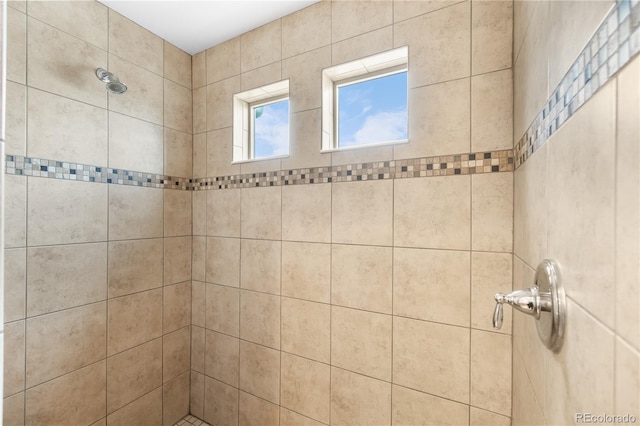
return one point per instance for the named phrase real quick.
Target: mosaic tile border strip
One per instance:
(448, 165)
(29, 166)
(613, 45)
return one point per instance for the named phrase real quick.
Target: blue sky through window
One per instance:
(373, 111)
(271, 129)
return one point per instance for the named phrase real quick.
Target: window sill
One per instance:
(370, 145)
(254, 160)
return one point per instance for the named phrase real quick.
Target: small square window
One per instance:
(261, 123)
(365, 102)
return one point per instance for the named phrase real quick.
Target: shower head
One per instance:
(114, 85)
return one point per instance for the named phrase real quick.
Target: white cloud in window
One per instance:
(381, 127)
(272, 132)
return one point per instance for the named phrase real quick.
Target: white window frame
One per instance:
(243, 119)
(376, 66)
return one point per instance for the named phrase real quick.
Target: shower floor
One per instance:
(190, 420)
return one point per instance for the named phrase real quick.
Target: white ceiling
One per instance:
(194, 25)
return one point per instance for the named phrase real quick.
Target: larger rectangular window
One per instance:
(365, 102)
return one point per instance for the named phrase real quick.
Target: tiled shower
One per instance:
(148, 278)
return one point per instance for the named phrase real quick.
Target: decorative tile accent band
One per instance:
(448, 165)
(613, 45)
(28, 166)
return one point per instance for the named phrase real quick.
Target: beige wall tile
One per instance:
(133, 373)
(627, 381)
(198, 303)
(14, 358)
(305, 29)
(15, 211)
(223, 213)
(357, 399)
(260, 371)
(133, 320)
(198, 258)
(529, 411)
(199, 70)
(306, 387)
(447, 223)
(304, 145)
(134, 266)
(447, 349)
(362, 212)
(480, 417)
(361, 342)
(492, 30)
(412, 408)
(198, 349)
(200, 155)
(135, 144)
(522, 11)
(15, 284)
(55, 205)
(53, 58)
(432, 285)
(16, 119)
(85, 20)
(70, 123)
(306, 328)
(177, 107)
(222, 61)
(76, 398)
(627, 205)
(199, 214)
(223, 261)
(580, 378)
(261, 213)
(17, 46)
(492, 111)
(492, 212)
(176, 353)
(491, 273)
(579, 201)
(261, 76)
(220, 403)
(261, 46)
(260, 318)
(177, 213)
(350, 156)
(350, 19)
(196, 398)
(260, 265)
(60, 277)
(289, 418)
(306, 271)
(199, 109)
(439, 120)
(439, 44)
(134, 212)
(260, 166)
(220, 153)
(177, 260)
(178, 155)
(145, 409)
(256, 411)
(362, 45)
(491, 358)
(177, 65)
(361, 277)
(305, 76)
(219, 102)
(13, 410)
(65, 341)
(405, 9)
(223, 309)
(177, 306)
(175, 400)
(222, 357)
(306, 214)
(134, 43)
(530, 71)
(144, 98)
